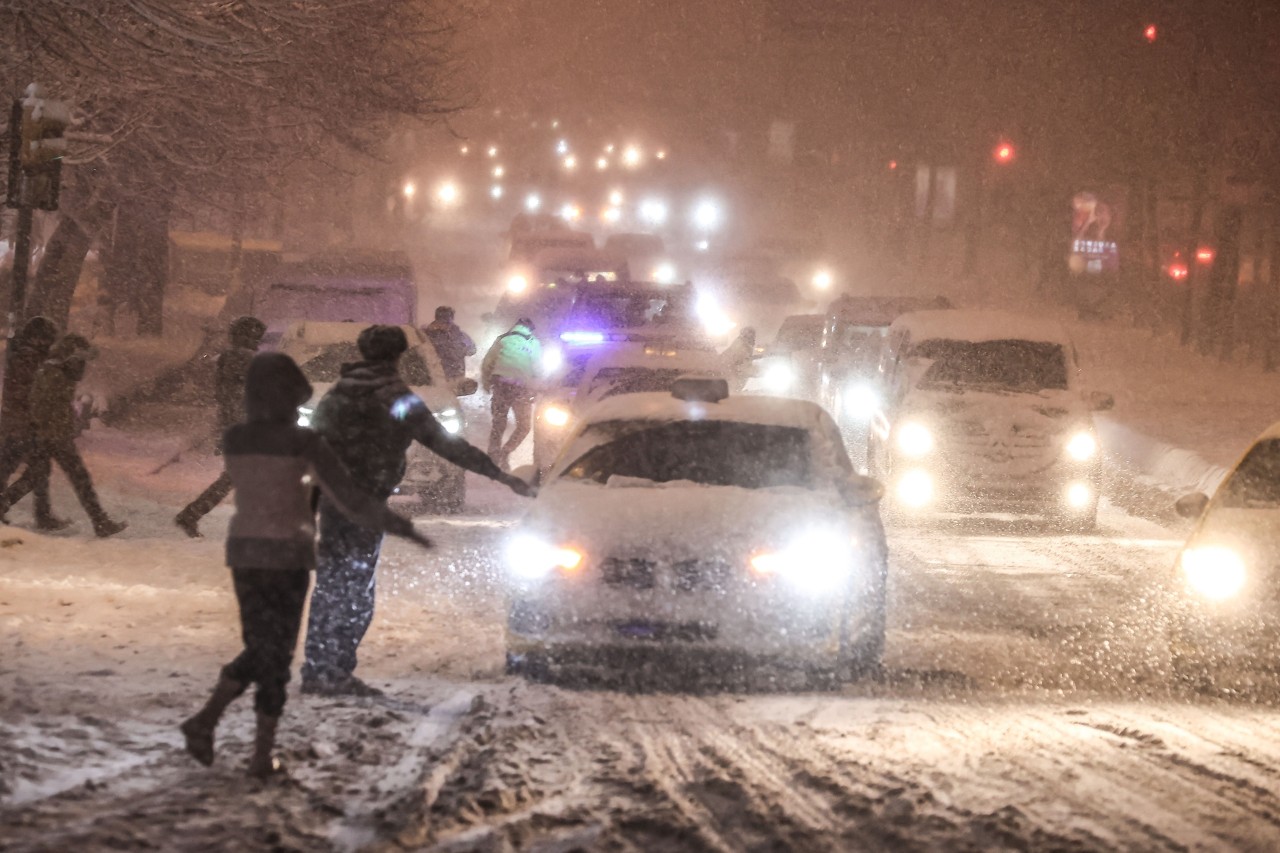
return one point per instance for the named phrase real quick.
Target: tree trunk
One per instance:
(138, 263)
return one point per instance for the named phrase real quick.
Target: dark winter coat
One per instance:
(370, 417)
(453, 346)
(228, 389)
(30, 347)
(268, 458)
(53, 418)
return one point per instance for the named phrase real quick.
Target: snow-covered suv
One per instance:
(983, 412)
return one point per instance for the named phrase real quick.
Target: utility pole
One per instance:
(1199, 186)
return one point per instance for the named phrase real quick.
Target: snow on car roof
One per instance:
(979, 326)
(656, 406)
(326, 333)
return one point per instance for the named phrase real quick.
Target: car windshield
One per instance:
(326, 365)
(1255, 484)
(616, 309)
(801, 334)
(1008, 365)
(713, 453)
(631, 380)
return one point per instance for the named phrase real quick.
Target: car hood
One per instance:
(1253, 533)
(1048, 410)
(682, 520)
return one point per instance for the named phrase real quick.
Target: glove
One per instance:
(520, 487)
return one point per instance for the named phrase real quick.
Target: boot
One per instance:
(107, 527)
(198, 730)
(51, 524)
(262, 764)
(189, 524)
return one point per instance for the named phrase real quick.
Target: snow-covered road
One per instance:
(1024, 705)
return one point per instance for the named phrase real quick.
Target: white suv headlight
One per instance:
(914, 439)
(1082, 446)
(816, 563)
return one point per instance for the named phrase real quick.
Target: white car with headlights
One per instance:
(984, 413)
(791, 365)
(321, 349)
(627, 369)
(693, 527)
(1226, 582)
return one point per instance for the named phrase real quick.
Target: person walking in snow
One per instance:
(510, 374)
(29, 348)
(273, 465)
(54, 430)
(244, 336)
(452, 344)
(370, 418)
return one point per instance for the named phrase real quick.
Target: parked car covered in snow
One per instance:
(1227, 575)
(983, 412)
(321, 349)
(694, 526)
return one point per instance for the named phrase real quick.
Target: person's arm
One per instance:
(486, 366)
(427, 431)
(352, 501)
(468, 345)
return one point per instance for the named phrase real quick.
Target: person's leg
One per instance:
(499, 404)
(284, 594)
(522, 405)
(235, 677)
(191, 514)
(15, 453)
(68, 459)
(343, 600)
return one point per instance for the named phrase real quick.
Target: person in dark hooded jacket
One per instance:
(54, 428)
(233, 365)
(273, 464)
(369, 417)
(452, 344)
(28, 349)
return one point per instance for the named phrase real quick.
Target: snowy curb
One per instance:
(1172, 468)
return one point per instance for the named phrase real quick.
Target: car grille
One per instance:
(1001, 445)
(696, 575)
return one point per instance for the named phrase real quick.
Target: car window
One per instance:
(616, 310)
(1255, 484)
(1009, 365)
(714, 453)
(801, 334)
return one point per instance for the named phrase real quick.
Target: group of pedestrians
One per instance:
(39, 424)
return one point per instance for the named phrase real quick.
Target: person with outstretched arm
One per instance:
(274, 465)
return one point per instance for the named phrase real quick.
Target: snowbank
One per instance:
(1174, 469)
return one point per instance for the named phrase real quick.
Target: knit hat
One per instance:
(274, 388)
(382, 343)
(247, 331)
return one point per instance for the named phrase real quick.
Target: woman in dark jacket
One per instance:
(274, 464)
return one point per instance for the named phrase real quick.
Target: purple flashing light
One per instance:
(582, 337)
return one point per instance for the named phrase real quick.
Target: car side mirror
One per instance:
(1101, 401)
(529, 473)
(860, 491)
(465, 386)
(1192, 506)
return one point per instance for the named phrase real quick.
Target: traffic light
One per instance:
(1151, 33)
(1004, 153)
(43, 123)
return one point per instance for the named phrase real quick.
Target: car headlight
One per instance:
(1215, 572)
(532, 558)
(914, 439)
(664, 273)
(552, 359)
(861, 401)
(1082, 446)
(517, 284)
(555, 416)
(451, 420)
(915, 489)
(305, 414)
(779, 378)
(815, 563)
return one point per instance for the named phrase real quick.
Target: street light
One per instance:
(615, 197)
(409, 189)
(602, 163)
(498, 171)
(1005, 153)
(823, 279)
(448, 194)
(493, 151)
(706, 215)
(532, 202)
(496, 191)
(570, 163)
(653, 211)
(631, 157)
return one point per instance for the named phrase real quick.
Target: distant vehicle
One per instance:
(321, 349)
(358, 286)
(526, 284)
(627, 369)
(689, 526)
(203, 259)
(1226, 576)
(525, 246)
(792, 364)
(755, 294)
(645, 256)
(984, 413)
(858, 327)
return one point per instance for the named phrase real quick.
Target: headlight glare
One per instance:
(914, 439)
(1212, 571)
(531, 558)
(815, 563)
(555, 416)
(305, 414)
(1082, 446)
(779, 378)
(862, 402)
(915, 489)
(552, 360)
(451, 421)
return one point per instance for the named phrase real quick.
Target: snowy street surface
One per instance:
(1024, 705)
